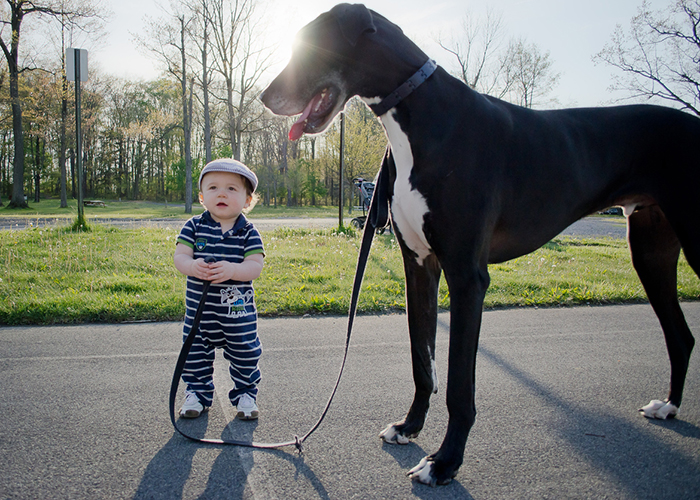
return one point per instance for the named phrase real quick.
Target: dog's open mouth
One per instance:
(316, 115)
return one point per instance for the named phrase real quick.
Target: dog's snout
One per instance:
(265, 97)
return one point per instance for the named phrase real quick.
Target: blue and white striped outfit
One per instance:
(229, 320)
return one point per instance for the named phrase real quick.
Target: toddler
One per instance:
(229, 321)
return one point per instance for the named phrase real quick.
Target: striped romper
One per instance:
(229, 320)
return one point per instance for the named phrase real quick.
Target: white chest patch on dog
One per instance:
(408, 207)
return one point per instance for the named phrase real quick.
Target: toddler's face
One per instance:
(224, 194)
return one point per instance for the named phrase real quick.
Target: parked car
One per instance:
(612, 211)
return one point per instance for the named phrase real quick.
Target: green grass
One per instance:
(147, 210)
(53, 275)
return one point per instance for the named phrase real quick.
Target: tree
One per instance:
(201, 8)
(658, 56)
(519, 73)
(18, 10)
(227, 21)
(528, 76)
(240, 60)
(474, 49)
(169, 41)
(253, 62)
(38, 92)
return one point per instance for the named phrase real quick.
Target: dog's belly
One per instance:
(408, 206)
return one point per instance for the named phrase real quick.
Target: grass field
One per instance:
(147, 210)
(52, 275)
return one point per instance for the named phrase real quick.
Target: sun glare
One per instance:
(286, 21)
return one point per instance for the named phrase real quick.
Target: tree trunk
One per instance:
(239, 120)
(64, 119)
(37, 173)
(188, 146)
(186, 120)
(12, 57)
(18, 169)
(231, 119)
(74, 193)
(62, 147)
(205, 86)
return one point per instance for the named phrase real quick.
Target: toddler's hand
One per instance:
(221, 271)
(201, 270)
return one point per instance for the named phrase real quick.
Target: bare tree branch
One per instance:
(659, 56)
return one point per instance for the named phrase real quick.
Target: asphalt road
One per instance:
(614, 227)
(85, 412)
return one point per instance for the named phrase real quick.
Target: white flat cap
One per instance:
(232, 166)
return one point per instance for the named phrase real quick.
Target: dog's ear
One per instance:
(354, 20)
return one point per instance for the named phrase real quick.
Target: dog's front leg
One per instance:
(422, 281)
(467, 291)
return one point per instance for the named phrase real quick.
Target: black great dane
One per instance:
(473, 180)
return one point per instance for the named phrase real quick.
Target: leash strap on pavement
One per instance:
(378, 216)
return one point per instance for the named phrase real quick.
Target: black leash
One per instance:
(180, 365)
(378, 218)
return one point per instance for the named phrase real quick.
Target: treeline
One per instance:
(147, 140)
(133, 146)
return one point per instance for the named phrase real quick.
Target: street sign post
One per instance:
(77, 70)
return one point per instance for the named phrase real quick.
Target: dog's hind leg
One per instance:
(655, 249)
(422, 283)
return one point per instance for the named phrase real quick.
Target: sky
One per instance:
(571, 31)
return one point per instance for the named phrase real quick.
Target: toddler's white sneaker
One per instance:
(246, 408)
(192, 407)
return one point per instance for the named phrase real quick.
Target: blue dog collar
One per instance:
(405, 89)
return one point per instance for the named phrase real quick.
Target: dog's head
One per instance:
(342, 53)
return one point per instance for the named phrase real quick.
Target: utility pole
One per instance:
(342, 164)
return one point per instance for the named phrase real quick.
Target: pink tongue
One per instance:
(297, 129)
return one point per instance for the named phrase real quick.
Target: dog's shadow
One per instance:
(680, 427)
(629, 458)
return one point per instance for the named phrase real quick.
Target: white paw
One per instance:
(423, 472)
(391, 435)
(659, 409)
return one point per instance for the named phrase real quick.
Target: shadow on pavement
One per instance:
(408, 456)
(635, 458)
(168, 472)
